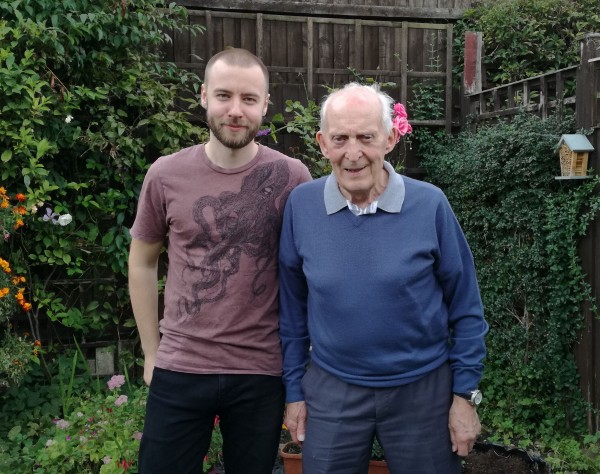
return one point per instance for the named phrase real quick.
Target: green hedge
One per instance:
(523, 227)
(85, 104)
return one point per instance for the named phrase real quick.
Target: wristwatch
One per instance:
(474, 397)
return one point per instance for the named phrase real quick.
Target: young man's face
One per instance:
(236, 100)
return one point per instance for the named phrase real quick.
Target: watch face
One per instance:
(476, 398)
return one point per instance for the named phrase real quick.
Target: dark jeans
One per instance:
(410, 421)
(180, 415)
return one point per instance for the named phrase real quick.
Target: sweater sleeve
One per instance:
(455, 271)
(293, 293)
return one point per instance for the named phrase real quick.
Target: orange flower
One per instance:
(21, 210)
(19, 223)
(37, 343)
(4, 265)
(4, 292)
(4, 204)
(18, 279)
(20, 197)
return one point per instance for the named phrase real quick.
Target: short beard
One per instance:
(233, 143)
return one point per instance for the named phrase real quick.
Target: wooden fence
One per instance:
(577, 87)
(306, 54)
(540, 95)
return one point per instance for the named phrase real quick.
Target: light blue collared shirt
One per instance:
(391, 199)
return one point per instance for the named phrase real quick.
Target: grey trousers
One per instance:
(410, 422)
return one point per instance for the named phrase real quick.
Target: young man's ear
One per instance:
(203, 96)
(266, 105)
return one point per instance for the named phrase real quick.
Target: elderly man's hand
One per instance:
(295, 420)
(464, 426)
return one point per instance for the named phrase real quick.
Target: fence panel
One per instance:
(308, 55)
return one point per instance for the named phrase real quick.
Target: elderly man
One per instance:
(376, 276)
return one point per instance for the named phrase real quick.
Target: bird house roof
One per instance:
(576, 142)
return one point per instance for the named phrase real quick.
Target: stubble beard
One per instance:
(239, 141)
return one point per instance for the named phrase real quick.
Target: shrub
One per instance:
(523, 227)
(101, 434)
(525, 38)
(87, 104)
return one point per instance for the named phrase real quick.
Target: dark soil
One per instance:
(489, 458)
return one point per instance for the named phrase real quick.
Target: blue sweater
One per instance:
(384, 298)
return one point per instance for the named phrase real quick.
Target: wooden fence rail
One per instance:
(539, 95)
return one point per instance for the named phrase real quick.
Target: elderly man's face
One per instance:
(356, 144)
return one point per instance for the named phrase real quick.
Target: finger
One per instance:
(301, 429)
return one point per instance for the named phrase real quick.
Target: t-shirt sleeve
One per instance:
(150, 223)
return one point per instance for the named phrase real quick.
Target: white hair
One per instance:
(387, 103)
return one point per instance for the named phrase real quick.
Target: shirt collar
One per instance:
(391, 199)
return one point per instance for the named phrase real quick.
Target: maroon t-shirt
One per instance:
(221, 295)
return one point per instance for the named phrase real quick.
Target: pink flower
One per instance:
(400, 121)
(122, 399)
(400, 110)
(116, 381)
(62, 424)
(137, 435)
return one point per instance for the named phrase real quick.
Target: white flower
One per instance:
(65, 219)
(50, 442)
(68, 118)
(106, 459)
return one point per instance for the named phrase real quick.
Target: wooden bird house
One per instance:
(574, 150)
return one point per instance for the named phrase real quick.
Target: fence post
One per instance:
(587, 351)
(472, 76)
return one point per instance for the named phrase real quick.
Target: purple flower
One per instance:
(116, 381)
(264, 132)
(50, 216)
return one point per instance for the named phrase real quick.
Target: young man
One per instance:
(377, 277)
(217, 352)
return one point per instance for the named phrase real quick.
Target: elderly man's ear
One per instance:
(392, 140)
(321, 142)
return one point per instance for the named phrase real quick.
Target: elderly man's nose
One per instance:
(354, 151)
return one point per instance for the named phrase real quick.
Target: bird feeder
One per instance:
(574, 150)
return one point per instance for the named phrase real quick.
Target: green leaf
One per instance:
(108, 239)
(42, 147)
(6, 156)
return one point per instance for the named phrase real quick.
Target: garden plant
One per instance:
(87, 103)
(523, 227)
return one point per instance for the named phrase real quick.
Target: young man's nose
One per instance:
(236, 107)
